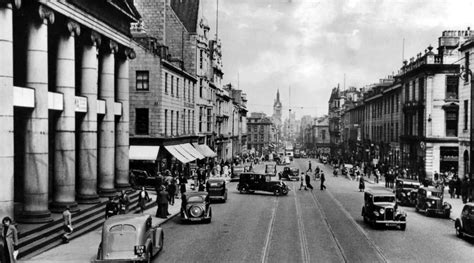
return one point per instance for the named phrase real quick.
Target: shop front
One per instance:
(449, 159)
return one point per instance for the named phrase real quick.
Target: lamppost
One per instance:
(466, 75)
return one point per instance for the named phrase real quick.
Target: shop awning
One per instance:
(184, 153)
(205, 150)
(143, 152)
(188, 147)
(171, 149)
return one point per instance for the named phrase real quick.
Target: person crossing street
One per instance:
(308, 182)
(302, 178)
(323, 179)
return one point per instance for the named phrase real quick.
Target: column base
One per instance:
(123, 186)
(59, 207)
(36, 217)
(107, 192)
(88, 199)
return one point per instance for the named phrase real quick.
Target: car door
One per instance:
(469, 220)
(420, 199)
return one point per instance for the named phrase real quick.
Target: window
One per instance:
(194, 89)
(177, 87)
(466, 105)
(200, 88)
(171, 125)
(200, 58)
(172, 85)
(184, 121)
(189, 121)
(466, 65)
(200, 119)
(451, 123)
(166, 122)
(193, 119)
(184, 89)
(141, 121)
(452, 83)
(209, 119)
(407, 93)
(413, 91)
(177, 122)
(142, 80)
(421, 89)
(166, 82)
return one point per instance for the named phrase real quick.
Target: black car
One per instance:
(195, 206)
(250, 182)
(139, 178)
(380, 209)
(430, 201)
(289, 173)
(464, 225)
(236, 171)
(216, 189)
(405, 189)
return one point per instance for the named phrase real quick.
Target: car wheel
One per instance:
(243, 190)
(403, 227)
(277, 191)
(427, 213)
(284, 192)
(458, 230)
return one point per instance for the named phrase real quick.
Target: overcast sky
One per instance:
(309, 44)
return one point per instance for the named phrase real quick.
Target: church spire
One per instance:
(278, 95)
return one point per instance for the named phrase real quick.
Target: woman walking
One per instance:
(8, 248)
(361, 184)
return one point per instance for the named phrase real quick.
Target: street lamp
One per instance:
(466, 74)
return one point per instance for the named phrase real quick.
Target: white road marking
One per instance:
(302, 233)
(266, 247)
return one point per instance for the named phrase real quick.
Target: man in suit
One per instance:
(67, 217)
(323, 179)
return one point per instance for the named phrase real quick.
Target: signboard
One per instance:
(80, 104)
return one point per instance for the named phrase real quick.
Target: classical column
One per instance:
(6, 109)
(107, 124)
(122, 126)
(35, 190)
(64, 189)
(87, 177)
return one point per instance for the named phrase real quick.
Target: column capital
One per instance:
(73, 27)
(95, 38)
(46, 13)
(16, 3)
(130, 53)
(110, 46)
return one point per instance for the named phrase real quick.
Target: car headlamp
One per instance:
(376, 213)
(433, 202)
(139, 250)
(382, 211)
(429, 204)
(408, 193)
(403, 194)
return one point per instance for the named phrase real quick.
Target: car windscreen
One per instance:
(408, 185)
(435, 194)
(197, 198)
(384, 199)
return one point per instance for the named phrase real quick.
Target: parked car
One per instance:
(277, 160)
(236, 171)
(430, 201)
(464, 225)
(380, 208)
(216, 189)
(139, 178)
(250, 182)
(195, 206)
(129, 238)
(404, 189)
(286, 160)
(271, 169)
(324, 159)
(289, 173)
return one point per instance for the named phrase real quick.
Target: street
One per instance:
(305, 226)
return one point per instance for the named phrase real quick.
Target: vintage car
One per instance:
(405, 189)
(139, 178)
(430, 201)
(236, 171)
(195, 206)
(129, 238)
(380, 209)
(289, 173)
(250, 182)
(465, 224)
(271, 169)
(216, 189)
(277, 159)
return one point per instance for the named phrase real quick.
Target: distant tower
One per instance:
(277, 110)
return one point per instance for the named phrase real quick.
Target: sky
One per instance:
(308, 47)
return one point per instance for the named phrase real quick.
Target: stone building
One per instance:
(64, 81)
(259, 133)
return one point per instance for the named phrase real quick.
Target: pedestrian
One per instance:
(143, 198)
(308, 182)
(162, 202)
(451, 184)
(111, 208)
(457, 187)
(361, 184)
(67, 225)
(323, 179)
(9, 242)
(124, 202)
(172, 191)
(464, 189)
(309, 166)
(302, 178)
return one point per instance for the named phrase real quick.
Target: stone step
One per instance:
(37, 241)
